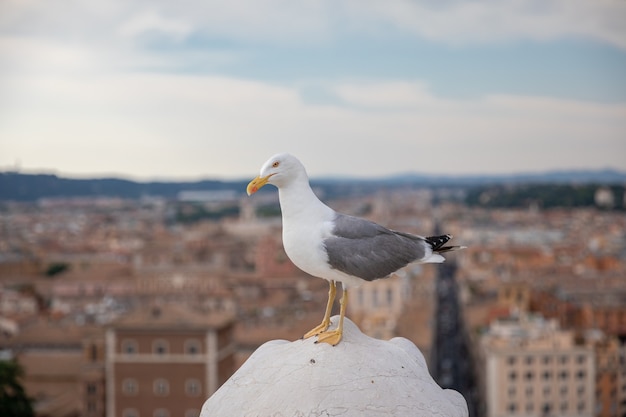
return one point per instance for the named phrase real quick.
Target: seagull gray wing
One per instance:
(367, 250)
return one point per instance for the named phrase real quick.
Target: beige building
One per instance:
(530, 367)
(376, 306)
(515, 295)
(63, 367)
(165, 361)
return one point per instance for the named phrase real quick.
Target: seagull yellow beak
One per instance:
(256, 184)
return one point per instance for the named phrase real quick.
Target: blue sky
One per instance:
(192, 89)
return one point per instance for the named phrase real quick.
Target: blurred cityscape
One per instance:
(135, 307)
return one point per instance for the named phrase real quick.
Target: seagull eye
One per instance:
(275, 164)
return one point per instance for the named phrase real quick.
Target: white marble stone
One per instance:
(360, 377)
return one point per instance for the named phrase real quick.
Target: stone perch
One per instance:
(360, 377)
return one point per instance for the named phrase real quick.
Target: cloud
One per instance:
(114, 86)
(156, 125)
(152, 22)
(460, 22)
(454, 22)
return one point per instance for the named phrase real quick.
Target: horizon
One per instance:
(322, 177)
(196, 90)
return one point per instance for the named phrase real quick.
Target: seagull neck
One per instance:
(298, 199)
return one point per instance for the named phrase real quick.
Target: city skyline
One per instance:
(156, 90)
(73, 270)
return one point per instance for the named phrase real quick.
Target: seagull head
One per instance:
(280, 170)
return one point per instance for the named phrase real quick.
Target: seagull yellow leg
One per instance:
(333, 337)
(332, 291)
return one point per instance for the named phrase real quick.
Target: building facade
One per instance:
(164, 361)
(376, 307)
(610, 377)
(532, 368)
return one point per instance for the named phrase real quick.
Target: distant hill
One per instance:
(547, 196)
(15, 186)
(605, 176)
(31, 187)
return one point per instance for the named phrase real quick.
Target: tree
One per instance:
(56, 268)
(13, 399)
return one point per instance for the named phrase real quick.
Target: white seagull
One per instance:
(335, 246)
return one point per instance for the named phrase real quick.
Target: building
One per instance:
(271, 260)
(92, 386)
(551, 306)
(621, 380)
(17, 304)
(530, 367)
(515, 295)
(62, 373)
(601, 308)
(165, 360)
(377, 306)
(610, 376)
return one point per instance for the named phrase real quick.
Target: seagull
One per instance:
(335, 246)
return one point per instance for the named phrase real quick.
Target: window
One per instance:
(193, 387)
(389, 297)
(529, 360)
(512, 375)
(512, 408)
(160, 347)
(511, 360)
(192, 346)
(130, 412)
(129, 346)
(92, 388)
(161, 387)
(529, 391)
(564, 375)
(130, 387)
(93, 353)
(581, 359)
(547, 360)
(547, 375)
(581, 374)
(161, 412)
(529, 375)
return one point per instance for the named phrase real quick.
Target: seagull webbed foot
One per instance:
(332, 337)
(321, 328)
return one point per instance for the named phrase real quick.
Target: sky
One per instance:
(192, 89)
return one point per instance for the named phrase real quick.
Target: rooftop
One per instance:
(170, 315)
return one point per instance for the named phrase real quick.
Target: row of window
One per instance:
(161, 387)
(548, 375)
(530, 390)
(162, 347)
(388, 294)
(563, 359)
(547, 407)
(159, 412)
